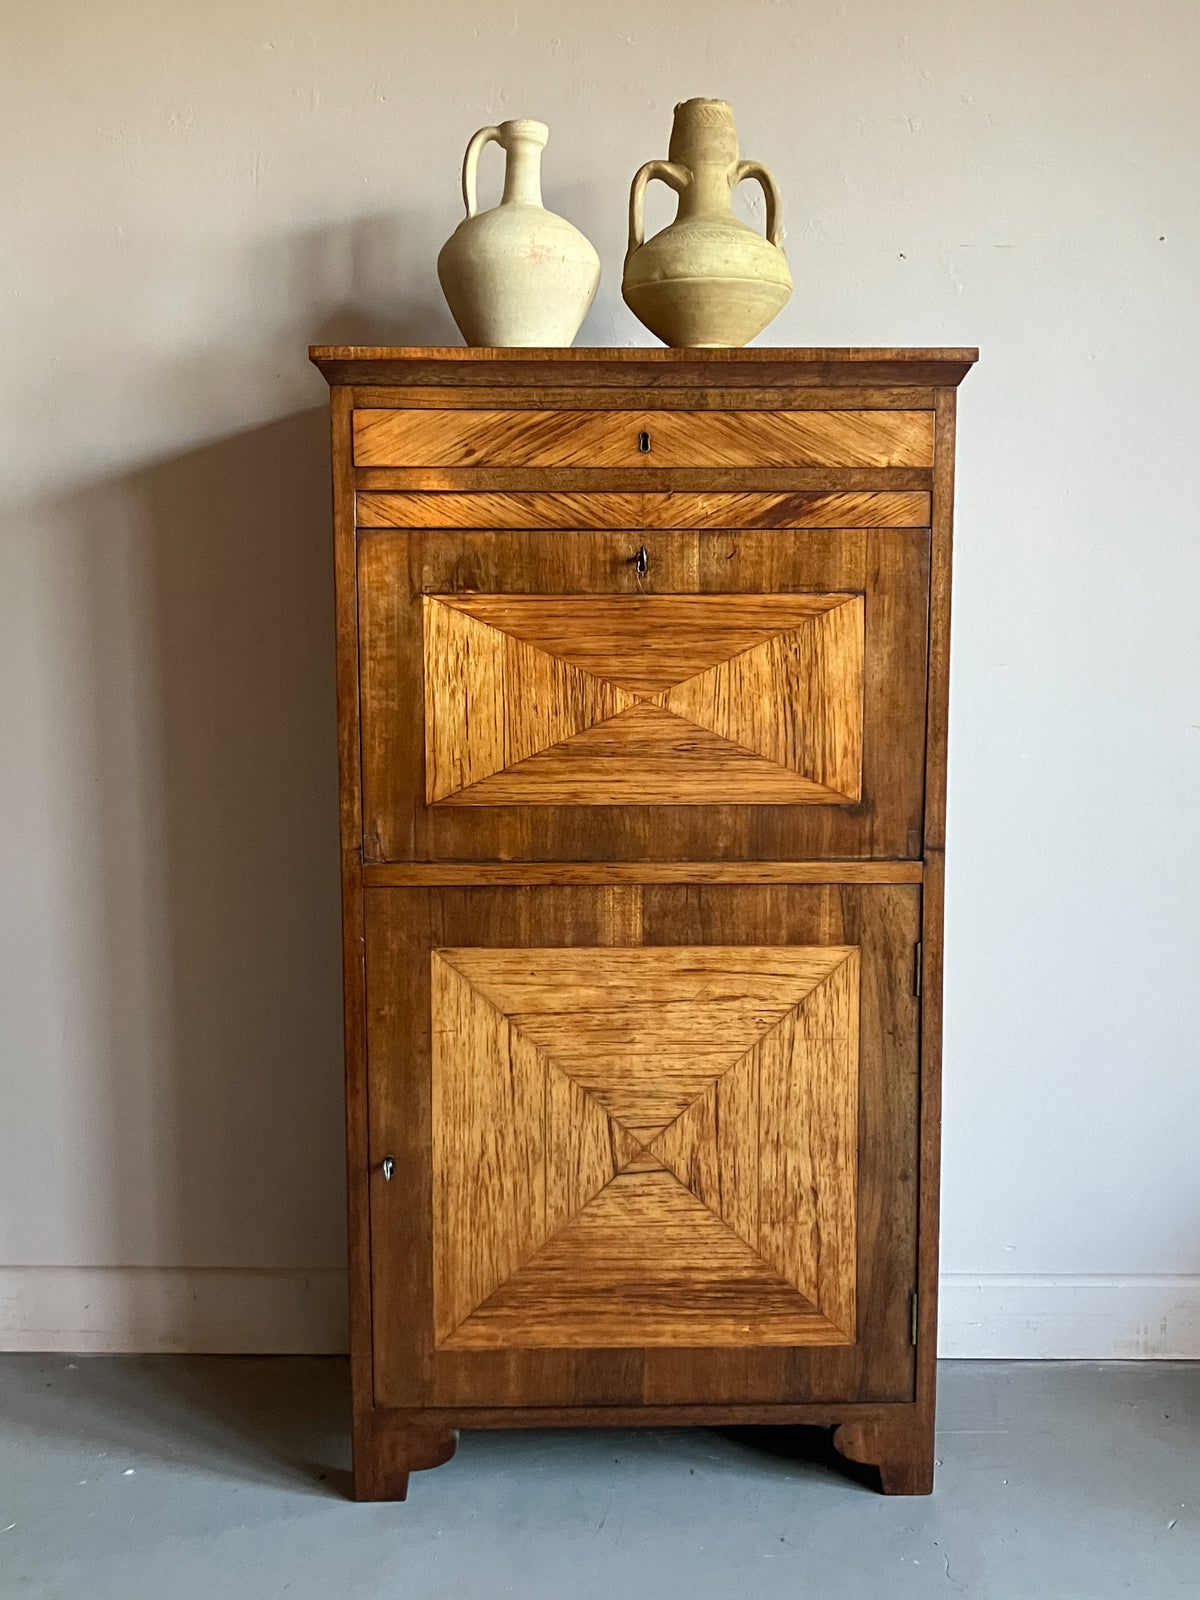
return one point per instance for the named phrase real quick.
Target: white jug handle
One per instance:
(672, 173)
(471, 162)
(770, 189)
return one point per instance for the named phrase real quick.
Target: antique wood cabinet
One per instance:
(642, 679)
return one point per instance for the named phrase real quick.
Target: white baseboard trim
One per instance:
(173, 1309)
(1043, 1317)
(1035, 1317)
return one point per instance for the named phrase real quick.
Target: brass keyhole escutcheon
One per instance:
(644, 443)
(641, 562)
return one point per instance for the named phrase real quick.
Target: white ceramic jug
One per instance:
(518, 274)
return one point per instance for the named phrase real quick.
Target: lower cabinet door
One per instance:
(649, 1144)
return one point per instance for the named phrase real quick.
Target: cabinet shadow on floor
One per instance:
(284, 1421)
(792, 1446)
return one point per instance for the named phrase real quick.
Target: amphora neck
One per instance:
(523, 141)
(704, 139)
(704, 134)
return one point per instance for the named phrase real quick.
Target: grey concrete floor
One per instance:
(224, 1478)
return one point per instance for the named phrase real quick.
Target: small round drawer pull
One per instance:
(644, 443)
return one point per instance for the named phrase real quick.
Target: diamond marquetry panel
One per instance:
(493, 699)
(650, 699)
(637, 1146)
(767, 1148)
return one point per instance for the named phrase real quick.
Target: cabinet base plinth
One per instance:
(384, 1459)
(900, 1447)
(899, 1444)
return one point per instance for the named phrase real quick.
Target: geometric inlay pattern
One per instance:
(694, 699)
(648, 1145)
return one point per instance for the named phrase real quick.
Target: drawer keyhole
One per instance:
(644, 443)
(641, 562)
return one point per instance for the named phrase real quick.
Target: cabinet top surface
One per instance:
(759, 367)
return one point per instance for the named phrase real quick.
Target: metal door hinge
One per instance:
(912, 1329)
(917, 969)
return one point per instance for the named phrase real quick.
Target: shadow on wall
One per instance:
(209, 579)
(356, 281)
(205, 901)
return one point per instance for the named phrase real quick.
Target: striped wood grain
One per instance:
(889, 567)
(645, 1263)
(642, 439)
(671, 699)
(415, 874)
(559, 1073)
(492, 700)
(499, 509)
(413, 1368)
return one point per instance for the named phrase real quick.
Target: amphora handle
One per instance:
(471, 165)
(770, 189)
(673, 173)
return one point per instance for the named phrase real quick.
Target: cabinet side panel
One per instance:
(937, 723)
(353, 994)
(941, 556)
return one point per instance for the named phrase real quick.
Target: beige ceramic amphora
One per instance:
(517, 274)
(708, 280)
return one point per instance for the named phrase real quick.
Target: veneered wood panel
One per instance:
(644, 643)
(493, 509)
(772, 1149)
(492, 700)
(489, 1163)
(795, 698)
(713, 1146)
(511, 438)
(643, 1034)
(712, 397)
(555, 1220)
(636, 367)
(808, 1155)
(685, 700)
(405, 926)
(785, 438)
(669, 496)
(397, 571)
(423, 874)
(883, 924)
(645, 756)
(585, 1148)
(645, 1263)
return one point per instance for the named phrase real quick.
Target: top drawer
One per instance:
(460, 438)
